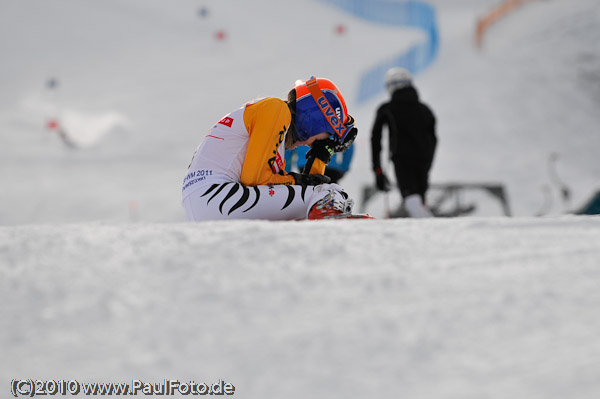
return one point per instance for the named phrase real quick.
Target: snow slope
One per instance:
(531, 92)
(463, 308)
(100, 279)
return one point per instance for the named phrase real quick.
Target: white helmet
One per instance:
(397, 78)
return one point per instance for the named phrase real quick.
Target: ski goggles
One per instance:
(340, 128)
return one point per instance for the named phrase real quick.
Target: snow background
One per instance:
(101, 278)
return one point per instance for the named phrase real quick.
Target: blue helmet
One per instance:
(320, 107)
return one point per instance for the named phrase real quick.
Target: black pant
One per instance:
(412, 177)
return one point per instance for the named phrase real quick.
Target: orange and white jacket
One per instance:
(245, 146)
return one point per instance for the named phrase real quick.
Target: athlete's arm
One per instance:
(267, 122)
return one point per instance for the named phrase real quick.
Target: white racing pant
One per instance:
(232, 200)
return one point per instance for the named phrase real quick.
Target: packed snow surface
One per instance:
(101, 280)
(471, 307)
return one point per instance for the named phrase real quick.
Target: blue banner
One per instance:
(414, 14)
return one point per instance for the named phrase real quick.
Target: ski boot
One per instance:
(330, 207)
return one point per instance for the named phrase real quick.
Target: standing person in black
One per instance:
(411, 126)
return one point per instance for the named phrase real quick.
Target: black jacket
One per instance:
(411, 127)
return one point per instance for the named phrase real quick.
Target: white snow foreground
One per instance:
(455, 308)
